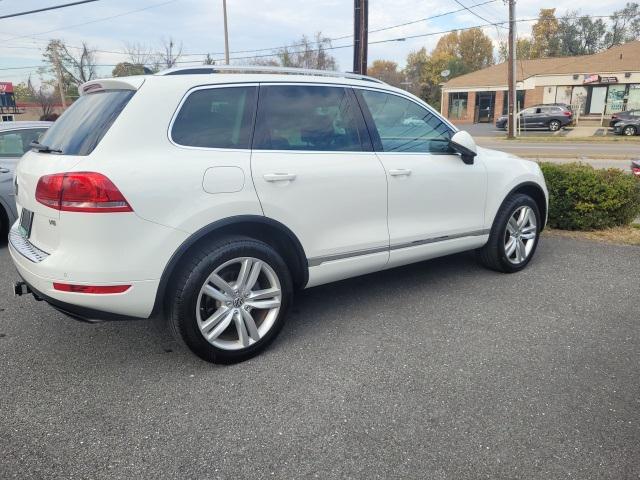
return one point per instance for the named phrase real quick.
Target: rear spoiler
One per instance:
(123, 83)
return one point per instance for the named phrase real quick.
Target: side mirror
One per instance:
(464, 144)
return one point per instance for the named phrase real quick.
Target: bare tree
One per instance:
(305, 53)
(308, 54)
(74, 67)
(170, 54)
(46, 100)
(139, 54)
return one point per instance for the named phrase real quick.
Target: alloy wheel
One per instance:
(554, 126)
(238, 303)
(629, 131)
(520, 235)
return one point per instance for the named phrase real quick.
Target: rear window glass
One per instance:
(216, 118)
(79, 130)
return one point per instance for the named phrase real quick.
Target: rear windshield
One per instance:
(83, 125)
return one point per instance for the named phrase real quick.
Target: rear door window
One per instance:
(308, 117)
(79, 130)
(216, 118)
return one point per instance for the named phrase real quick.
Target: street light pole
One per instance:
(226, 33)
(512, 71)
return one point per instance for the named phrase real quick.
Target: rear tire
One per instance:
(554, 125)
(229, 300)
(513, 238)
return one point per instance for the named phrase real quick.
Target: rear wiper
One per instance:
(43, 148)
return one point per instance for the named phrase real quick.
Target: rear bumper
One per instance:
(76, 312)
(137, 302)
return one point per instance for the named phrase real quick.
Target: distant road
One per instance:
(563, 148)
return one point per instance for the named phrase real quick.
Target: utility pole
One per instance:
(360, 35)
(56, 59)
(226, 33)
(512, 71)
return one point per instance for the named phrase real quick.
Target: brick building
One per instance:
(604, 82)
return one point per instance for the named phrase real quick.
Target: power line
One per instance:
(265, 49)
(397, 39)
(45, 9)
(90, 21)
(471, 11)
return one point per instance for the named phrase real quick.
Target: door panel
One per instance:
(433, 194)
(312, 173)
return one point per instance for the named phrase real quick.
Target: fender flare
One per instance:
(211, 228)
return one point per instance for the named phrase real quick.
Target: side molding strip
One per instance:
(314, 262)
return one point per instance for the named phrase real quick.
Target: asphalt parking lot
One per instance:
(441, 370)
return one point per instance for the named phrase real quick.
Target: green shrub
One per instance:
(583, 198)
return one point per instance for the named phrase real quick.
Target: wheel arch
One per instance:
(265, 229)
(536, 192)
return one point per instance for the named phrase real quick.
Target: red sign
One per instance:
(591, 79)
(6, 87)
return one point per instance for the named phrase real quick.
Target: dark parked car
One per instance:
(15, 138)
(629, 127)
(628, 115)
(551, 117)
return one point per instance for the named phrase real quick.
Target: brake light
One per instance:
(567, 113)
(95, 289)
(87, 192)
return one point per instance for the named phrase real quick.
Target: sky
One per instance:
(109, 25)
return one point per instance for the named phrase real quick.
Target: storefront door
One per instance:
(598, 97)
(484, 106)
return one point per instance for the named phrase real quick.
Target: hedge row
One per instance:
(584, 198)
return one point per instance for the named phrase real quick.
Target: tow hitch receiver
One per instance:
(21, 288)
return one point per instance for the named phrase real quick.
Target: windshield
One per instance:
(79, 130)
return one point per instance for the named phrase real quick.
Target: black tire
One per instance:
(554, 125)
(185, 290)
(629, 130)
(493, 254)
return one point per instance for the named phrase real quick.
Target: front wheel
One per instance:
(629, 131)
(514, 235)
(230, 299)
(554, 125)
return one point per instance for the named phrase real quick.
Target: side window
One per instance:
(405, 126)
(528, 111)
(14, 144)
(301, 117)
(216, 118)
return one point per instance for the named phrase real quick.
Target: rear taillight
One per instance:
(95, 289)
(87, 192)
(567, 113)
(635, 171)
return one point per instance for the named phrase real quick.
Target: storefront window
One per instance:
(519, 101)
(633, 101)
(615, 98)
(579, 99)
(458, 105)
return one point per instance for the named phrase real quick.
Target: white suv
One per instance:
(210, 195)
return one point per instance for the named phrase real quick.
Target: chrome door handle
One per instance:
(4, 170)
(399, 172)
(279, 177)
